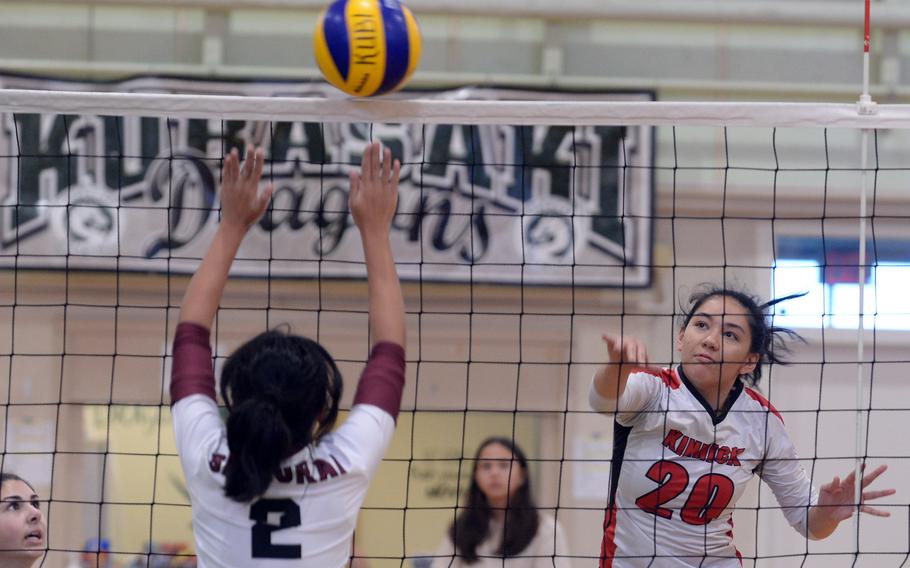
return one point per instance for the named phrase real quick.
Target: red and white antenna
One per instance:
(865, 104)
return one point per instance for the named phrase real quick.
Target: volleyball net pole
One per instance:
(864, 106)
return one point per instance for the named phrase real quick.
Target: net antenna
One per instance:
(865, 106)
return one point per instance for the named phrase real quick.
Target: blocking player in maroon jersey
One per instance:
(277, 485)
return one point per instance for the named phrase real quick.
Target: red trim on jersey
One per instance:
(191, 372)
(764, 402)
(667, 376)
(730, 534)
(608, 544)
(382, 381)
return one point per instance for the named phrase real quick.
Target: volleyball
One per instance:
(367, 47)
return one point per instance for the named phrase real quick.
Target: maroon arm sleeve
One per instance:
(382, 381)
(191, 372)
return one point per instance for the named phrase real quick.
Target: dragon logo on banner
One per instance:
(556, 205)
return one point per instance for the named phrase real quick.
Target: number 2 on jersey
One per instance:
(262, 546)
(710, 495)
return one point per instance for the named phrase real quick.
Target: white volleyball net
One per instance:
(526, 229)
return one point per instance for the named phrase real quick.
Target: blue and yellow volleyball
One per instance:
(367, 47)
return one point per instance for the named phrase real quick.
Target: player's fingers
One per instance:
(629, 351)
(258, 163)
(873, 475)
(874, 512)
(850, 479)
(240, 158)
(247, 166)
(396, 172)
(635, 353)
(385, 173)
(643, 356)
(378, 164)
(250, 161)
(870, 495)
(372, 172)
(230, 167)
(833, 485)
(626, 350)
(355, 186)
(226, 170)
(609, 340)
(617, 351)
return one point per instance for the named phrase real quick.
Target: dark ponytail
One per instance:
(282, 394)
(259, 440)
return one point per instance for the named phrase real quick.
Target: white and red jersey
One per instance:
(308, 514)
(678, 470)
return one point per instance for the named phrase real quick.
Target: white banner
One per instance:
(549, 205)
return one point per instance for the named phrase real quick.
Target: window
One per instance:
(827, 271)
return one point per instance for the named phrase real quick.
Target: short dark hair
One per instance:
(473, 524)
(768, 341)
(282, 393)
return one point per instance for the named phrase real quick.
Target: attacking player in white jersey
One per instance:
(688, 440)
(276, 486)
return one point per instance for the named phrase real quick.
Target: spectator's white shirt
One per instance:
(546, 550)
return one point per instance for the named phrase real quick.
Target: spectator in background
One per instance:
(499, 525)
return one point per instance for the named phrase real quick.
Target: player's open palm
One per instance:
(837, 499)
(242, 204)
(374, 191)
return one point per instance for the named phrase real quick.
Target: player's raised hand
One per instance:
(625, 355)
(373, 200)
(627, 351)
(837, 502)
(837, 499)
(374, 191)
(242, 203)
